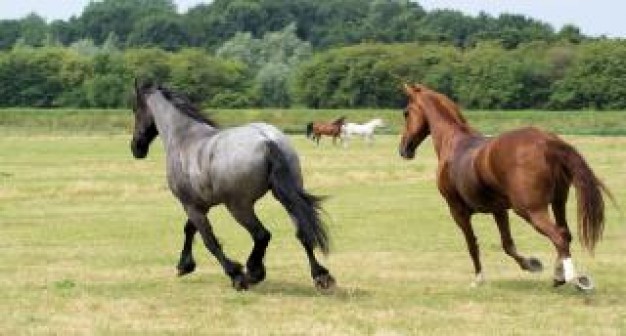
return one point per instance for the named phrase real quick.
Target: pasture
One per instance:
(89, 240)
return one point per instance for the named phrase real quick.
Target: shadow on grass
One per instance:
(543, 287)
(522, 285)
(279, 287)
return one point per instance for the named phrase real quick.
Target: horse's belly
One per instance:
(485, 200)
(243, 181)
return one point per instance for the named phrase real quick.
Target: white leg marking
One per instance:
(568, 269)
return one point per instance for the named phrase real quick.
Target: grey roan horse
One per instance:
(207, 166)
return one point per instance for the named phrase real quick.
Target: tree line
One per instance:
(320, 54)
(323, 23)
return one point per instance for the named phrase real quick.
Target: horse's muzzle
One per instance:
(406, 153)
(139, 149)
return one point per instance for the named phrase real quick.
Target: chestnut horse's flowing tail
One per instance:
(309, 129)
(589, 195)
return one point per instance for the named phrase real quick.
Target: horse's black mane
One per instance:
(182, 103)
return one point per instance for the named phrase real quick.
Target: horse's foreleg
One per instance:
(462, 217)
(247, 218)
(233, 269)
(186, 264)
(530, 264)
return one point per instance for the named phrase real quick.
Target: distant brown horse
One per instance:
(526, 170)
(315, 130)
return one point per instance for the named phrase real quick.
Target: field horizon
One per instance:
(18, 121)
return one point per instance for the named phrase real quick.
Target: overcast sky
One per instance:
(594, 17)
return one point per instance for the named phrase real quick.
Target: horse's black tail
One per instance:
(309, 129)
(303, 207)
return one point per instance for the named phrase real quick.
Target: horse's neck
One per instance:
(174, 126)
(446, 131)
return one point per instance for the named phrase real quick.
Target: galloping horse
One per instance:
(526, 170)
(315, 130)
(366, 130)
(207, 166)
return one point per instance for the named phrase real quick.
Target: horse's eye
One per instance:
(405, 113)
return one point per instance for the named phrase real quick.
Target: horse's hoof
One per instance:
(478, 280)
(558, 282)
(533, 265)
(255, 275)
(583, 283)
(240, 282)
(324, 282)
(186, 268)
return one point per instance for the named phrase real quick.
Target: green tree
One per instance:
(33, 30)
(202, 76)
(9, 33)
(165, 32)
(570, 33)
(276, 54)
(30, 77)
(371, 75)
(119, 16)
(272, 85)
(66, 32)
(151, 65)
(595, 79)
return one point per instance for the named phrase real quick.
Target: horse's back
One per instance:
(524, 146)
(236, 160)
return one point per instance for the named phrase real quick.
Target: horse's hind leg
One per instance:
(186, 264)
(248, 219)
(530, 264)
(559, 210)
(541, 221)
(233, 269)
(321, 276)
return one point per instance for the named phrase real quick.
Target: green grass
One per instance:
(76, 121)
(89, 239)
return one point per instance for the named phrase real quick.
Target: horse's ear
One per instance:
(410, 89)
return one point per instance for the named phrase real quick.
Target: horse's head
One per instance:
(378, 122)
(416, 127)
(145, 129)
(339, 121)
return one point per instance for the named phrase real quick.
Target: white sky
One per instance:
(594, 17)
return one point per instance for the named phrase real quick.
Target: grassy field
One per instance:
(72, 121)
(89, 239)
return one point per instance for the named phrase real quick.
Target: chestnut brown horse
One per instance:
(527, 170)
(315, 130)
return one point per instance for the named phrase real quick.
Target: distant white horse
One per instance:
(366, 130)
